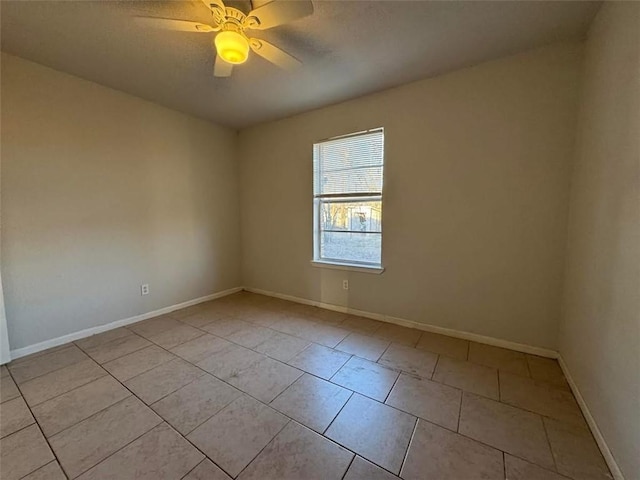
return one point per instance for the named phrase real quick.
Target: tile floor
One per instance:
(252, 387)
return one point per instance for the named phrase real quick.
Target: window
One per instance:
(347, 199)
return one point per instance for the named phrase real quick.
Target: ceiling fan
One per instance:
(231, 42)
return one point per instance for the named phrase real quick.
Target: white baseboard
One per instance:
(496, 342)
(87, 332)
(597, 434)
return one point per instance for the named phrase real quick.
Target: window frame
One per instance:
(320, 199)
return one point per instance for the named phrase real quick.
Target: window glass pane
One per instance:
(364, 216)
(356, 247)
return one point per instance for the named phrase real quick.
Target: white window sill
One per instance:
(348, 266)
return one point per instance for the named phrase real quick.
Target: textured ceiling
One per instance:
(349, 48)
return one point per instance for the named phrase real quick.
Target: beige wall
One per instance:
(101, 192)
(475, 207)
(600, 332)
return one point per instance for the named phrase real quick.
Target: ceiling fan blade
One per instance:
(222, 68)
(277, 12)
(218, 9)
(177, 25)
(273, 54)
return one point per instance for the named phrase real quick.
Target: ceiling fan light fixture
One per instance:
(232, 47)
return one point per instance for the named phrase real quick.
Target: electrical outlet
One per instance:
(345, 284)
(144, 289)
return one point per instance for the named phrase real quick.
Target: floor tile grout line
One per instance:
(337, 414)
(41, 432)
(300, 353)
(348, 466)
(116, 358)
(105, 344)
(384, 402)
(70, 390)
(171, 392)
(355, 391)
(542, 415)
(122, 448)
(526, 359)
(542, 467)
(283, 391)
(20, 429)
(460, 411)
(309, 343)
(181, 325)
(196, 466)
(52, 371)
(433, 372)
(546, 436)
(91, 416)
(175, 357)
(10, 399)
(211, 416)
(55, 460)
(84, 340)
(504, 465)
(406, 452)
(263, 448)
(64, 393)
(421, 418)
(422, 333)
(357, 454)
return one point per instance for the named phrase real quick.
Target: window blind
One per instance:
(349, 166)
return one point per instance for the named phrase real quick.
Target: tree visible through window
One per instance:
(347, 195)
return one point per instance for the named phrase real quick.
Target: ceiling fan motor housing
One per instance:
(231, 43)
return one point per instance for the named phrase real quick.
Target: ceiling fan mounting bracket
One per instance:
(234, 16)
